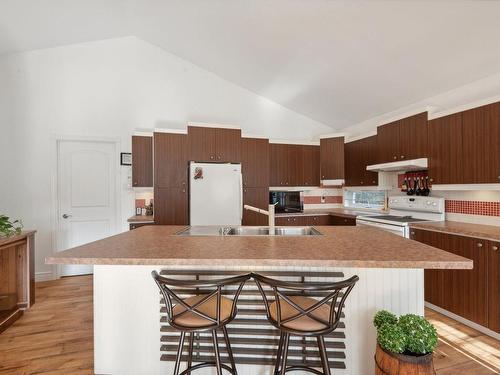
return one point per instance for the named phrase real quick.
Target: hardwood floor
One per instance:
(55, 337)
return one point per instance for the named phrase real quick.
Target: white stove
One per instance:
(404, 210)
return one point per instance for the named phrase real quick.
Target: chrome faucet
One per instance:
(269, 212)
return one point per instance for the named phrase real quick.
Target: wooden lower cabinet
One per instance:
(256, 197)
(494, 286)
(171, 206)
(302, 220)
(467, 293)
(133, 226)
(342, 220)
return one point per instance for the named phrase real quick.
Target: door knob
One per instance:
(65, 216)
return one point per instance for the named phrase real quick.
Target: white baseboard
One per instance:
(44, 276)
(467, 322)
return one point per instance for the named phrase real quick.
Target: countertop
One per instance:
(141, 219)
(486, 232)
(344, 212)
(17, 237)
(339, 246)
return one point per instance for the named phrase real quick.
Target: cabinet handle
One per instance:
(412, 233)
(431, 179)
(183, 190)
(211, 157)
(479, 244)
(218, 157)
(135, 182)
(495, 248)
(498, 177)
(395, 157)
(361, 182)
(402, 156)
(324, 176)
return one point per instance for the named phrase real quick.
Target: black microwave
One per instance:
(287, 201)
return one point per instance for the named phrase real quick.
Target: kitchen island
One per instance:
(130, 333)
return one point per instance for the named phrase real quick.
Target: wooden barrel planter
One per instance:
(387, 363)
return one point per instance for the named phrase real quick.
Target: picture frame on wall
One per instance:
(125, 158)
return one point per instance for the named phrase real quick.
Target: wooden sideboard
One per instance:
(17, 276)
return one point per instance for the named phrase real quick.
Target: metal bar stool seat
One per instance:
(208, 310)
(302, 315)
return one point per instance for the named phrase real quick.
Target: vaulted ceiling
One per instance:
(337, 62)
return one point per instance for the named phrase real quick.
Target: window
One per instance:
(365, 198)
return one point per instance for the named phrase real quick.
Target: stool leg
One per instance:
(216, 351)
(229, 350)
(324, 357)
(179, 353)
(278, 355)
(190, 351)
(285, 353)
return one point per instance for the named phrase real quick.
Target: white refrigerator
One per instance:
(215, 194)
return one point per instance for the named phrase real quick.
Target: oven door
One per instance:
(396, 229)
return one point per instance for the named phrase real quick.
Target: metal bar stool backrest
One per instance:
(200, 287)
(335, 295)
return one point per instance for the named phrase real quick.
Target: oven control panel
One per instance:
(421, 204)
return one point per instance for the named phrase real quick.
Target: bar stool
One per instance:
(206, 311)
(303, 316)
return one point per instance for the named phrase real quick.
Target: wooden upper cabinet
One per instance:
(170, 160)
(494, 287)
(214, 144)
(142, 161)
(358, 155)
(481, 144)
(445, 150)
(332, 158)
(279, 165)
(403, 139)
(310, 165)
(388, 142)
(255, 162)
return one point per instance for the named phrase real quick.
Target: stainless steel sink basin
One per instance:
(248, 231)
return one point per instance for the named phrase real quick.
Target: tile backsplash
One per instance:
(319, 198)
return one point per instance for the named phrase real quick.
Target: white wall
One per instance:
(108, 89)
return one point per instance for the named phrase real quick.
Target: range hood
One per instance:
(399, 166)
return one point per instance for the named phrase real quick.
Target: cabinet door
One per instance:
(228, 145)
(142, 161)
(279, 165)
(255, 162)
(311, 165)
(353, 171)
(388, 142)
(332, 158)
(256, 197)
(295, 171)
(433, 279)
(202, 144)
(413, 137)
(171, 206)
(481, 139)
(369, 146)
(445, 150)
(494, 287)
(318, 220)
(342, 220)
(171, 161)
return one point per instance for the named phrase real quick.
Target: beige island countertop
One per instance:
(338, 246)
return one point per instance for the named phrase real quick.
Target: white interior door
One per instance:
(86, 196)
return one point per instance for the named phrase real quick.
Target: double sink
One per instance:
(248, 231)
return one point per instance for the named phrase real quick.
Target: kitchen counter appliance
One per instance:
(286, 201)
(404, 210)
(215, 194)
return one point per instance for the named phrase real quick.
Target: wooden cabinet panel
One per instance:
(481, 140)
(359, 154)
(433, 279)
(295, 164)
(279, 165)
(256, 197)
(142, 161)
(291, 221)
(171, 160)
(332, 158)
(214, 144)
(311, 165)
(445, 149)
(133, 226)
(342, 220)
(463, 292)
(388, 142)
(171, 206)
(255, 162)
(413, 137)
(318, 220)
(494, 286)
(228, 145)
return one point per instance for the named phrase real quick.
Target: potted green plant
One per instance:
(404, 345)
(9, 227)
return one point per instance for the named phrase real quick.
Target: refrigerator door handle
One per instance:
(241, 198)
